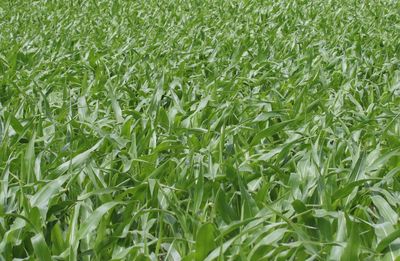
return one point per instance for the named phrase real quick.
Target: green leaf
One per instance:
(40, 247)
(384, 243)
(205, 241)
(58, 243)
(270, 131)
(42, 197)
(248, 203)
(15, 124)
(348, 188)
(359, 168)
(351, 250)
(227, 213)
(385, 210)
(29, 159)
(90, 224)
(219, 250)
(78, 159)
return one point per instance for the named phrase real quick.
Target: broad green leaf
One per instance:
(219, 250)
(348, 188)
(90, 224)
(269, 131)
(41, 249)
(222, 207)
(384, 243)
(357, 172)
(78, 159)
(269, 240)
(29, 159)
(205, 241)
(41, 198)
(351, 250)
(385, 210)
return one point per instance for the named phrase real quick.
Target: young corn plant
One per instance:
(199, 130)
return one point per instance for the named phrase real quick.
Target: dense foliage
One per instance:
(199, 130)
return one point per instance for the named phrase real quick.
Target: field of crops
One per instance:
(199, 130)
